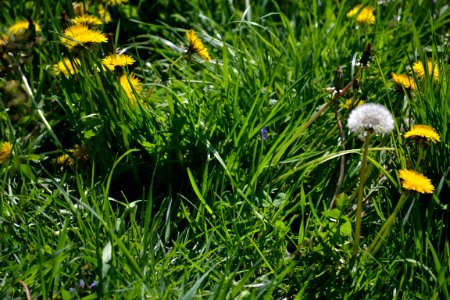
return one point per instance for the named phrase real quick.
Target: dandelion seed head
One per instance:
(370, 117)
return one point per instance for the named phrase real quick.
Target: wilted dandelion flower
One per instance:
(370, 117)
(424, 132)
(21, 26)
(415, 181)
(419, 69)
(87, 20)
(80, 8)
(117, 60)
(364, 15)
(404, 81)
(129, 84)
(80, 153)
(66, 66)
(81, 34)
(196, 46)
(5, 151)
(350, 103)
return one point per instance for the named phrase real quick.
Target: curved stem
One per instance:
(384, 231)
(360, 194)
(342, 165)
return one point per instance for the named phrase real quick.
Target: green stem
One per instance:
(360, 194)
(384, 231)
(419, 159)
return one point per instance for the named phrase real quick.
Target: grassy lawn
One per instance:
(224, 149)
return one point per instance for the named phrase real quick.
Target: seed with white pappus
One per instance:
(370, 117)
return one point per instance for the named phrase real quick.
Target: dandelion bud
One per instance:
(366, 55)
(338, 81)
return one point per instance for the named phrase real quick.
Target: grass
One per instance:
(173, 192)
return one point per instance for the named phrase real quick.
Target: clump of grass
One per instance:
(189, 150)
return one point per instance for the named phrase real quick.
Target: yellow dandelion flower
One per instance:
(419, 69)
(64, 160)
(80, 153)
(403, 80)
(196, 46)
(115, 2)
(21, 26)
(415, 181)
(87, 20)
(104, 14)
(117, 60)
(364, 15)
(81, 34)
(66, 66)
(5, 151)
(350, 104)
(129, 84)
(423, 132)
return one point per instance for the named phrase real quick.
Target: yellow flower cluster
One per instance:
(79, 155)
(404, 81)
(81, 35)
(424, 132)
(415, 181)
(66, 66)
(364, 15)
(117, 60)
(350, 103)
(432, 70)
(87, 20)
(18, 30)
(115, 2)
(196, 46)
(5, 151)
(129, 84)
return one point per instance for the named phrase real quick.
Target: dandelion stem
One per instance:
(342, 165)
(384, 231)
(175, 61)
(419, 159)
(360, 194)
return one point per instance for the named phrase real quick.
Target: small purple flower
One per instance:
(264, 133)
(81, 284)
(93, 286)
